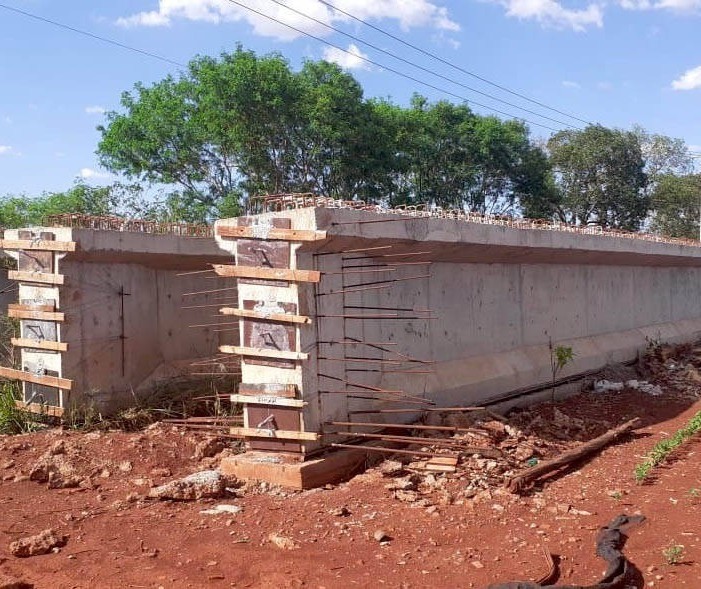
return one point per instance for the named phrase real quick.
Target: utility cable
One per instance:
(420, 67)
(452, 65)
(91, 35)
(179, 64)
(389, 69)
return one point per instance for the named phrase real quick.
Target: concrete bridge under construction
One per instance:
(348, 317)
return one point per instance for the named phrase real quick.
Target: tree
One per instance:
(242, 125)
(23, 211)
(676, 202)
(448, 156)
(600, 173)
(535, 186)
(663, 156)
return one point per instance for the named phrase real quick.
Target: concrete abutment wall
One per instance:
(101, 313)
(340, 315)
(409, 310)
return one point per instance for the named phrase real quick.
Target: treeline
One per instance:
(243, 124)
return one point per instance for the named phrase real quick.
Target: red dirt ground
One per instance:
(118, 538)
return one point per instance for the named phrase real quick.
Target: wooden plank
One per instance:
(259, 232)
(288, 391)
(21, 307)
(37, 244)
(29, 313)
(49, 381)
(263, 353)
(261, 273)
(39, 408)
(39, 344)
(56, 279)
(268, 400)
(442, 464)
(284, 318)
(253, 432)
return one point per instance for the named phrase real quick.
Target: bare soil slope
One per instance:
(384, 528)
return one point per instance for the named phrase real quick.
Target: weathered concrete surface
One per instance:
(498, 296)
(125, 327)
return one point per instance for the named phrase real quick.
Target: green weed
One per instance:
(664, 448)
(13, 420)
(673, 554)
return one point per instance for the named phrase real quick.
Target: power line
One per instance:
(452, 65)
(389, 69)
(91, 35)
(420, 67)
(176, 63)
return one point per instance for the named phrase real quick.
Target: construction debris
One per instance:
(606, 386)
(200, 485)
(517, 483)
(42, 543)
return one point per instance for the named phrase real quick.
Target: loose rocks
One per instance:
(42, 543)
(200, 485)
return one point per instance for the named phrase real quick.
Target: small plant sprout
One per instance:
(560, 356)
(673, 554)
(694, 493)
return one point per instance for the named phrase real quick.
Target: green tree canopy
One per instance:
(600, 173)
(22, 211)
(243, 124)
(676, 202)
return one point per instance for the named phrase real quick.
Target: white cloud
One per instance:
(408, 13)
(689, 80)
(550, 13)
(90, 174)
(571, 84)
(7, 120)
(6, 150)
(605, 86)
(351, 58)
(673, 5)
(95, 110)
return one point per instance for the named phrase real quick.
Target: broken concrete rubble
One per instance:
(200, 485)
(42, 543)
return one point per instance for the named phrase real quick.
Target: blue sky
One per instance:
(618, 62)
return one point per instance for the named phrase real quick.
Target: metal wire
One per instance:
(105, 223)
